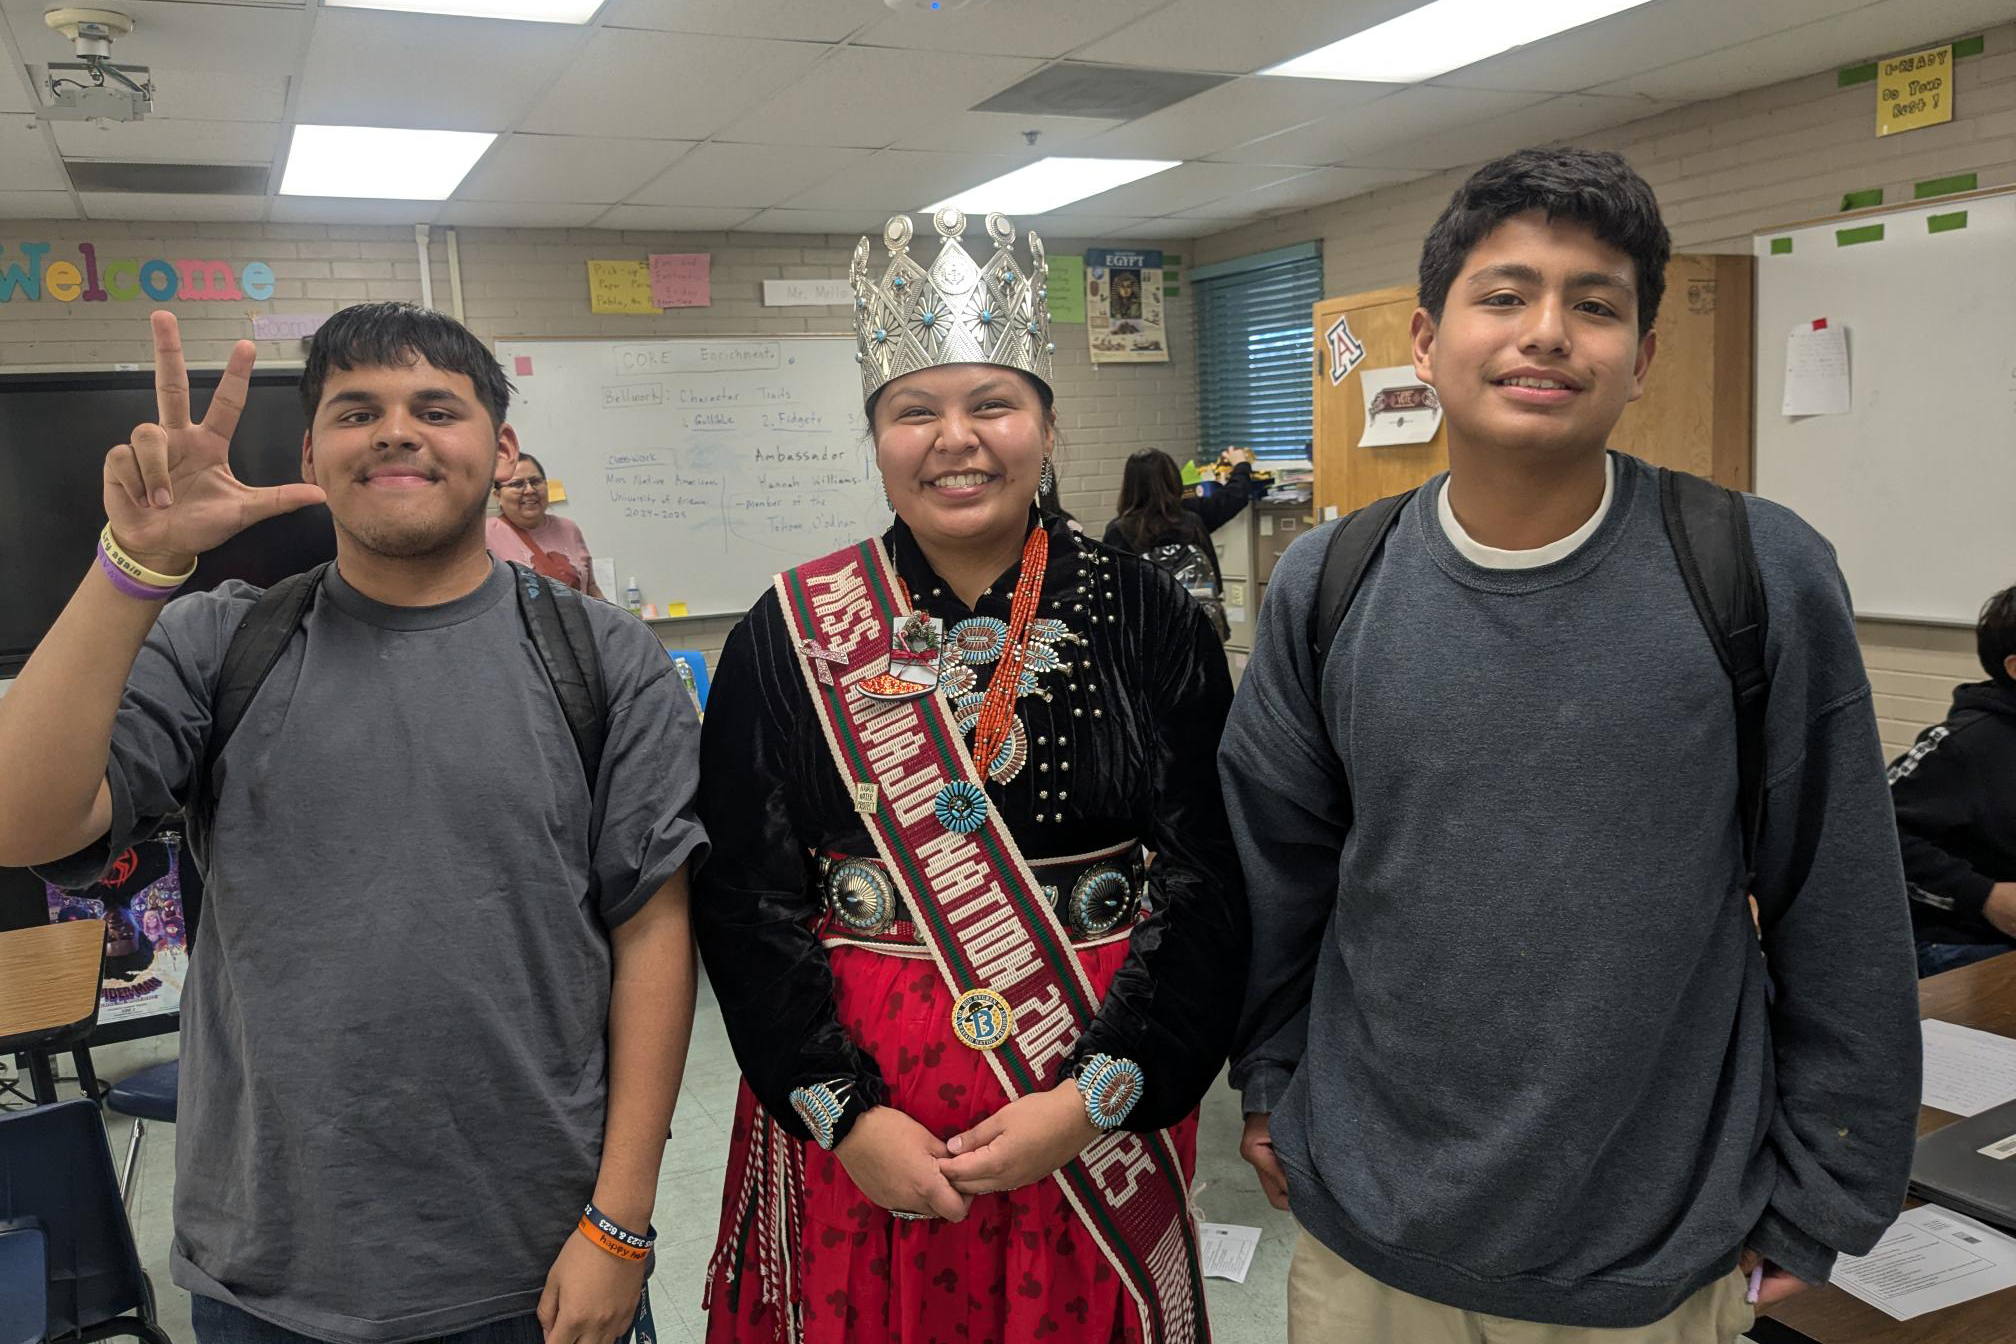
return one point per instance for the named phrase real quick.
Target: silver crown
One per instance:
(957, 312)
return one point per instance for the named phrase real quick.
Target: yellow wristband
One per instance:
(136, 571)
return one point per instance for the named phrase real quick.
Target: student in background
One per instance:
(1509, 1051)
(1955, 792)
(525, 533)
(1162, 525)
(443, 985)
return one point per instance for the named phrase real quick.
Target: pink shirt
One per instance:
(561, 535)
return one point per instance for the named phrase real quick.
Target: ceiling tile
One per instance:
(369, 67)
(169, 35)
(720, 174)
(154, 205)
(519, 214)
(1885, 27)
(1561, 118)
(1301, 193)
(346, 210)
(15, 93)
(26, 161)
(1070, 224)
(1393, 120)
(821, 21)
(187, 95)
(165, 141)
(1025, 28)
(1186, 187)
(1002, 133)
(1232, 114)
(1238, 39)
(36, 205)
(870, 97)
(1638, 40)
(894, 180)
(687, 219)
(562, 169)
(817, 221)
(1183, 226)
(666, 85)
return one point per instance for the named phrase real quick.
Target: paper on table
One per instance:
(1816, 369)
(605, 576)
(1227, 1249)
(1930, 1258)
(1967, 1071)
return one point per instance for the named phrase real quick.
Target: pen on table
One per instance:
(1756, 1283)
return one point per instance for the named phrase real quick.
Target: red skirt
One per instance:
(1021, 1266)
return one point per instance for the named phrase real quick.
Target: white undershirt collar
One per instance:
(1490, 557)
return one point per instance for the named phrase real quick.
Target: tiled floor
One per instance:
(689, 1194)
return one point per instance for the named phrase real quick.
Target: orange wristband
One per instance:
(619, 1247)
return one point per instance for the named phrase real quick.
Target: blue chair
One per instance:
(56, 1170)
(696, 663)
(147, 1095)
(24, 1284)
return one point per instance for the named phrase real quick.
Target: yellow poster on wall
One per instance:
(1914, 91)
(620, 287)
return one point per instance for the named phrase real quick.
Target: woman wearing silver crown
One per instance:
(972, 911)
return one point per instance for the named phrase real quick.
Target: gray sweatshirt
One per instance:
(1532, 1062)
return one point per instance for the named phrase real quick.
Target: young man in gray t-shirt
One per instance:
(1514, 1051)
(442, 991)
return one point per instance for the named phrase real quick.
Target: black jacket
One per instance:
(1204, 515)
(1134, 718)
(1955, 792)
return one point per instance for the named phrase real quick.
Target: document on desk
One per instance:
(1930, 1258)
(1967, 1071)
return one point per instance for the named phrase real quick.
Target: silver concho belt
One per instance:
(1092, 894)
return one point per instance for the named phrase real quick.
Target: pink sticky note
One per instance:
(523, 365)
(680, 279)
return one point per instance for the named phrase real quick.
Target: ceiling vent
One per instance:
(181, 179)
(1106, 92)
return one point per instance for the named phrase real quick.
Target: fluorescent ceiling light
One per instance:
(381, 164)
(1443, 36)
(532, 11)
(1050, 183)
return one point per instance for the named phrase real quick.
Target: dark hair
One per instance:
(1151, 498)
(1995, 636)
(386, 335)
(1594, 186)
(1043, 394)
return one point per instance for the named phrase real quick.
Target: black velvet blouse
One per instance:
(1125, 748)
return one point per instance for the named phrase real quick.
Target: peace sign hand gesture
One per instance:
(169, 493)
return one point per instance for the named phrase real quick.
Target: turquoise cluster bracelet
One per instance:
(822, 1106)
(1111, 1087)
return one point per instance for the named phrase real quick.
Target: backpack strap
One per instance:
(566, 645)
(1357, 540)
(1709, 528)
(263, 632)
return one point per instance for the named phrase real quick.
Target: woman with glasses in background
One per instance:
(525, 532)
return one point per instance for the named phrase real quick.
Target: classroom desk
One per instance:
(1982, 996)
(49, 977)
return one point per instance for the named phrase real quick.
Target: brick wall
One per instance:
(1725, 169)
(532, 282)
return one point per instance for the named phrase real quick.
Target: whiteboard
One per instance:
(1916, 484)
(701, 465)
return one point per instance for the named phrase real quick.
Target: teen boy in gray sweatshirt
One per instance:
(1547, 1078)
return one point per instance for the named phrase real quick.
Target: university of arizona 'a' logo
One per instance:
(1346, 350)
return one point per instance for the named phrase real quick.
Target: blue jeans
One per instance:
(220, 1323)
(1936, 957)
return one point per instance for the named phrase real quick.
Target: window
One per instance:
(1253, 351)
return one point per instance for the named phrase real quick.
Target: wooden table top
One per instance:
(49, 977)
(1982, 996)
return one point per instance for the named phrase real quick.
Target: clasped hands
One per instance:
(905, 1168)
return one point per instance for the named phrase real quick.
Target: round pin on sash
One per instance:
(982, 1019)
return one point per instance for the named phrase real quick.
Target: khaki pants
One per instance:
(1332, 1302)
